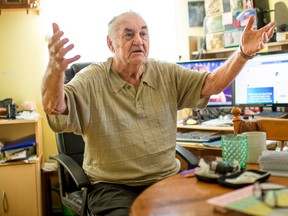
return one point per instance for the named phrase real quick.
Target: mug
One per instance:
(256, 144)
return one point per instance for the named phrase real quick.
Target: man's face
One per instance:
(131, 40)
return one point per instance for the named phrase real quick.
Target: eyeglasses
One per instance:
(274, 198)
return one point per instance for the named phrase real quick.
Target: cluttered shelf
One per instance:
(223, 53)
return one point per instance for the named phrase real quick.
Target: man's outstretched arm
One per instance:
(53, 97)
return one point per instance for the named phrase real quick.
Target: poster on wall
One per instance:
(196, 11)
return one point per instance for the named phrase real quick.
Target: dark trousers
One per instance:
(112, 199)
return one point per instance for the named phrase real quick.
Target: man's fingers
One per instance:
(268, 27)
(54, 38)
(73, 59)
(63, 51)
(266, 38)
(58, 51)
(250, 22)
(55, 27)
(271, 31)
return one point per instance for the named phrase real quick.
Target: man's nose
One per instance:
(137, 40)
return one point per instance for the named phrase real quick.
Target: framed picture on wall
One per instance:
(196, 12)
(14, 3)
(213, 7)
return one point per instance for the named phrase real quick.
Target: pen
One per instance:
(188, 173)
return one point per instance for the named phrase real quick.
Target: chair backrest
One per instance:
(73, 69)
(276, 129)
(72, 145)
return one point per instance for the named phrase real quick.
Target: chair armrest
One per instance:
(76, 171)
(191, 160)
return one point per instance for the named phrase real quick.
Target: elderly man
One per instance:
(126, 108)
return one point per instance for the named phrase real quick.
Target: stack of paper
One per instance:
(276, 162)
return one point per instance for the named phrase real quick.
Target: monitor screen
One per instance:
(225, 98)
(263, 81)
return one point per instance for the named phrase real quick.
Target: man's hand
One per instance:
(57, 51)
(252, 40)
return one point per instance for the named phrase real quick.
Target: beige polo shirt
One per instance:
(130, 136)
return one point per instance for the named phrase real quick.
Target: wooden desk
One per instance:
(179, 196)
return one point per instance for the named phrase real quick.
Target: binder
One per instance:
(23, 142)
(21, 154)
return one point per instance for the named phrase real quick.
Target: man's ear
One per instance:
(110, 45)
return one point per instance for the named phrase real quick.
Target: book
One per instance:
(23, 142)
(243, 200)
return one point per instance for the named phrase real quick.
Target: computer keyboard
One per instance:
(197, 136)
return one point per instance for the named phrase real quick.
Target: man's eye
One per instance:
(128, 35)
(144, 35)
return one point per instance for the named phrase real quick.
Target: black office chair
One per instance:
(73, 182)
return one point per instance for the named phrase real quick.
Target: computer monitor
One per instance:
(225, 98)
(263, 81)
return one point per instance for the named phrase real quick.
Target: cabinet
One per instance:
(198, 149)
(20, 182)
(14, 4)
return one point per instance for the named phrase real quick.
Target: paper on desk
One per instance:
(230, 197)
(242, 200)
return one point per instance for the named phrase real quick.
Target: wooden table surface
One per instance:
(182, 196)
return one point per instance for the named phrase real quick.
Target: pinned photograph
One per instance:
(248, 4)
(196, 11)
(215, 41)
(214, 24)
(213, 7)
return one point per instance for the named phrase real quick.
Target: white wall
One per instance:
(85, 24)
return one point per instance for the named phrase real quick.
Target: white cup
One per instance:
(256, 144)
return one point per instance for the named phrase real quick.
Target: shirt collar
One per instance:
(149, 77)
